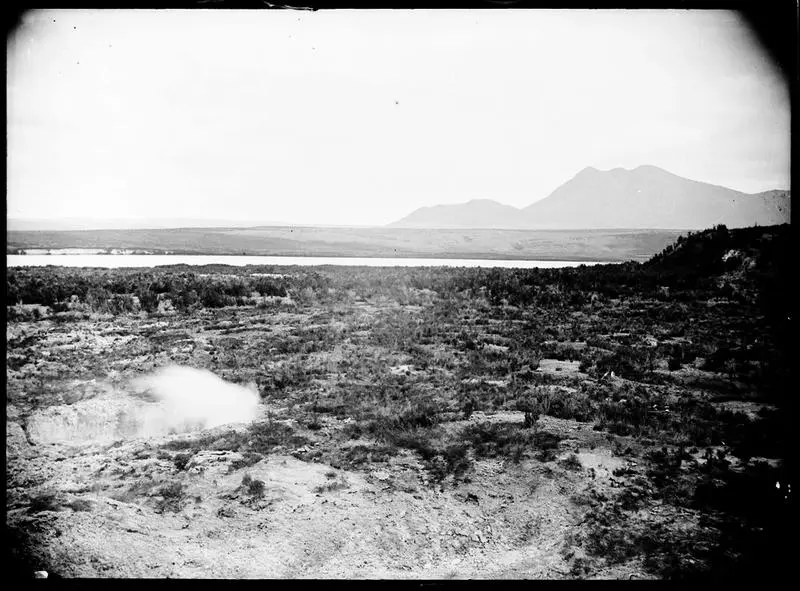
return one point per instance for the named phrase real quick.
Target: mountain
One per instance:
(478, 213)
(650, 197)
(646, 197)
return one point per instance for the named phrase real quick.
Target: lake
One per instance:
(110, 261)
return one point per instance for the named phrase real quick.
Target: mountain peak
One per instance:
(648, 196)
(588, 170)
(644, 197)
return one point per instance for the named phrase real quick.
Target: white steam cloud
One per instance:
(174, 399)
(188, 399)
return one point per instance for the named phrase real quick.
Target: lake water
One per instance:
(110, 261)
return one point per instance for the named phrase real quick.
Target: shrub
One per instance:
(122, 304)
(571, 405)
(230, 441)
(264, 437)
(456, 459)
(182, 459)
(416, 415)
(255, 488)
(248, 459)
(172, 496)
(48, 501)
(421, 414)
(362, 454)
(533, 404)
(417, 440)
(572, 462)
(97, 299)
(334, 484)
(468, 406)
(492, 440)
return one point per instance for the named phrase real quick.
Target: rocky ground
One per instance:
(96, 511)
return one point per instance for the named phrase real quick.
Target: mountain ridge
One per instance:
(644, 197)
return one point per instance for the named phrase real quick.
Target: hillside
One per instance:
(751, 262)
(478, 213)
(645, 197)
(717, 251)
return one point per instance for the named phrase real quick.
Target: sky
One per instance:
(359, 117)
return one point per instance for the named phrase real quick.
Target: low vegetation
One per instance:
(681, 363)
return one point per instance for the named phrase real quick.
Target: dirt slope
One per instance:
(101, 514)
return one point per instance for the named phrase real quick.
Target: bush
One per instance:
(122, 304)
(264, 437)
(48, 501)
(362, 454)
(625, 362)
(416, 415)
(334, 484)
(97, 299)
(571, 405)
(182, 459)
(491, 440)
(172, 496)
(456, 460)
(255, 488)
(249, 459)
(572, 462)
(534, 404)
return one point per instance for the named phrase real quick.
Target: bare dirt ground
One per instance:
(510, 520)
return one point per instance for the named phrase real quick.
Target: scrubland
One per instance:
(615, 421)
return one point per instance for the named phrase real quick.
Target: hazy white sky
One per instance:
(360, 117)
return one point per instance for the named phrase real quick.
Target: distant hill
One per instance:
(646, 197)
(478, 213)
